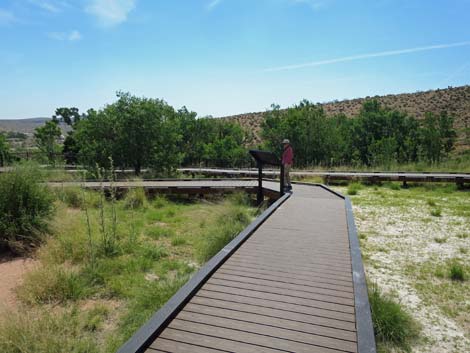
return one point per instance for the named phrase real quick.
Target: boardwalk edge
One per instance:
(365, 330)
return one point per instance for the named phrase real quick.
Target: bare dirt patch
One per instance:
(12, 271)
(403, 246)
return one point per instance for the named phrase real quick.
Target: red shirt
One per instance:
(288, 155)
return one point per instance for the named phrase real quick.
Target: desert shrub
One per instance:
(135, 198)
(46, 331)
(456, 272)
(227, 226)
(52, 284)
(177, 241)
(392, 325)
(25, 207)
(354, 188)
(71, 196)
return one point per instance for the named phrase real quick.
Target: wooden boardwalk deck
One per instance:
(431, 177)
(295, 284)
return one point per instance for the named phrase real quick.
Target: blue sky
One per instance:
(223, 57)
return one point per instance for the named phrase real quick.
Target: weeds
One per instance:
(436, 212)
(392, 325)
(441, 240)
(457, 272)
(354, 188)
(25, 208)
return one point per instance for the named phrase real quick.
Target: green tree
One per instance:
(135, 132)
(4, 150)
(46, 139)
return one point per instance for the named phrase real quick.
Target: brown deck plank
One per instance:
(212, 342)
(282, 285)
(267, 330)
(165, 345)
(250, 338)
(301, 275)
(293, 312)
(319, 308)
(268, 317)
(285, 279)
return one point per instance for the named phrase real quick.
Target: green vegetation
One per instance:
(377, 136)
(47, 140)
(142, 133)
(393, 326)
(354, 188)
(25, 207)
(109, 264)
(457, 272)
(4, 150)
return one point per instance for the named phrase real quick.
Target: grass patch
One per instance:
(436, 212)
(441, 240)
(457, 272)
(157, 245)
(353, 188)
(393, 326)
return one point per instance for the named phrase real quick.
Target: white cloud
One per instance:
(111, 12)
(213, 4)
(6, 17)
(367, 56)
(71, 36)
(50, 6)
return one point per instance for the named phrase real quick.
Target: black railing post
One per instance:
(282, 180)
(259, 195)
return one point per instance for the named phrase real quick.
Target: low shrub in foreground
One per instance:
(25, 207)
(227, 227)
(392, 325)
(457, 272)
(354, 188)
(135, 198)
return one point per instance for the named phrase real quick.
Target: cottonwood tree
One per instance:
(46, 137)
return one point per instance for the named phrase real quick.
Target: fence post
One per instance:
(259, 195)
(282, 180)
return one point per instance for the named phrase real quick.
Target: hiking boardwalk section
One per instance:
(293, 281)
(419, 177)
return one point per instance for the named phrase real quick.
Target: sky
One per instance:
(224, 57)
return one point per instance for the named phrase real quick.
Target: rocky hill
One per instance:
(454, 100)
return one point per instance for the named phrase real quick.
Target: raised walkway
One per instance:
(293, 281)
(422, 177)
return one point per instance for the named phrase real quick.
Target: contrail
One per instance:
(366, 56)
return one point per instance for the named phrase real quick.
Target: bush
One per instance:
(227, 226)
(135, 198)
(52, 284)
(392, 325)
(457, 272)
(25, 207)
(354, 188)
(46, 331)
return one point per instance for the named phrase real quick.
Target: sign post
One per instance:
(266, 158)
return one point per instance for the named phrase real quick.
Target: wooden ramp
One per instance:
(293, 283)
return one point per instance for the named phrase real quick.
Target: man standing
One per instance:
(287, 160)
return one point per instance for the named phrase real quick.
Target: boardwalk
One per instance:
(288, 286)
(458, 178)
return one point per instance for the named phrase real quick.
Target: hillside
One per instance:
(455, 101)
(25, 126)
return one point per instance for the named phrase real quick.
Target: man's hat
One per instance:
(285, 141)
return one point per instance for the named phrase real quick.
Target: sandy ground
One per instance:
(394, 240)
(11, 275)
